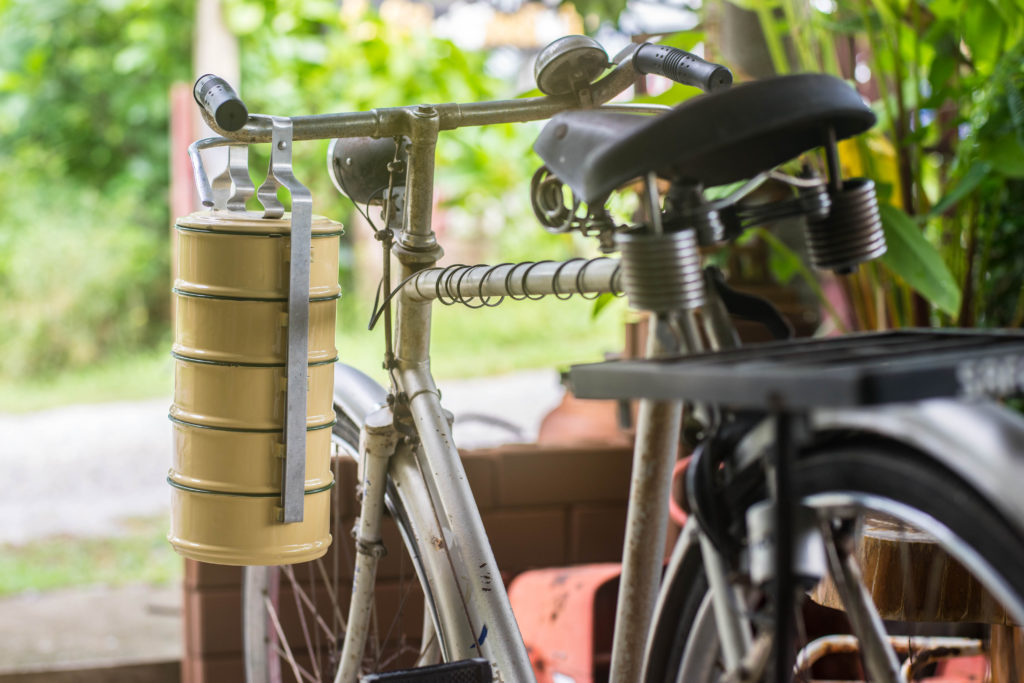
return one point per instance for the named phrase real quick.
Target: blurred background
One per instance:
(95, 110)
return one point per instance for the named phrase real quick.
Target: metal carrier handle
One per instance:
(280, 174)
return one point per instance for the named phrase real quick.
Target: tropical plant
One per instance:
(946, 80)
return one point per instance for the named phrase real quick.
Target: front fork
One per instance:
(378, 441)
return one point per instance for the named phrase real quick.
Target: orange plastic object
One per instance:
(961, 670)
(566, 616)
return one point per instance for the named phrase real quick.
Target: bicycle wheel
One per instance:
(894, 487)
(294, 616)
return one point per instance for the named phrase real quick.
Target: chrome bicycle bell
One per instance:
(569, 63)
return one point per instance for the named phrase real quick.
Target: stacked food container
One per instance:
(230, 344)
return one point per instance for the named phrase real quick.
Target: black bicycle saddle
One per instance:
(712, 139)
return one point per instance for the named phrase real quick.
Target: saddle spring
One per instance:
(851, 233)
(661, 272)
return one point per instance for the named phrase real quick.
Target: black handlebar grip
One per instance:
(221, 102)
(681, 67)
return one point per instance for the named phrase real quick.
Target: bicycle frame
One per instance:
(407, 434)
(432, 473)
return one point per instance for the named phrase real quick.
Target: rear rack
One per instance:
(853, 370)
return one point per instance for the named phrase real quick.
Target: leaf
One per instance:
(600, 303)
(783, 262)
(917, 261)
(671, 97)
(978, 171)
(1006, 155)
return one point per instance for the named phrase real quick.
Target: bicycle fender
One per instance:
(357, 393)
(982, 442)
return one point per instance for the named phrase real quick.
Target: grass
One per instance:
(144, 374)
(140, 554)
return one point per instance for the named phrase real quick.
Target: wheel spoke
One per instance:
(300, 596)
(302, 671)
(289, 656)
(332, 594)
(406, 592)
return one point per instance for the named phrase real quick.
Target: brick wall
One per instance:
(542, 506)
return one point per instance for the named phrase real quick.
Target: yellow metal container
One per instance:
(229, 390)
(216, 329)
(242, 462)
(240, 255)
(243, 530)
(246, 397)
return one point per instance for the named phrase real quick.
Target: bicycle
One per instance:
(682, 631)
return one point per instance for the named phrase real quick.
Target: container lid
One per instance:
(253, 223)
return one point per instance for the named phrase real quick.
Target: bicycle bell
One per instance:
(359, 167)
(569, 63)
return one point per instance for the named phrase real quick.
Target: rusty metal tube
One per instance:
(654, 454)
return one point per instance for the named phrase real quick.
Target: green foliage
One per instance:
(949, 76)
(79, 279)
(135, 375)
(311, 57)
(83, 133)
(919, 264)
(593, 11)
(83, 88)
(83, 129)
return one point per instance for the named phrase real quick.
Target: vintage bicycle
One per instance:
(808, 453)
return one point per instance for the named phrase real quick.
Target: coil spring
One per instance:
(449, 289)
(851, 234)
(815, 202)
(661, 273)
(547, 194)
(708, 224)
(450, 286)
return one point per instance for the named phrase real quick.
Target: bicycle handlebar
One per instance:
(681, 66)
(221, 102)
(225, 112)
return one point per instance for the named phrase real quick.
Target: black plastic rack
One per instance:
(852, 370)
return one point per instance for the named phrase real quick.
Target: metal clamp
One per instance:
(233, 186)
(280, 175)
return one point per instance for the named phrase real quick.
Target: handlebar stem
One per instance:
(423, 124)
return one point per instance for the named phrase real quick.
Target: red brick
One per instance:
(480, 472)
(343, 496)
(213, 669)
(526, 538)
(213, 622)
(596, 533)
(532, 475)
(205, 575)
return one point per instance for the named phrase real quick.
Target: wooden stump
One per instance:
(911, 578)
